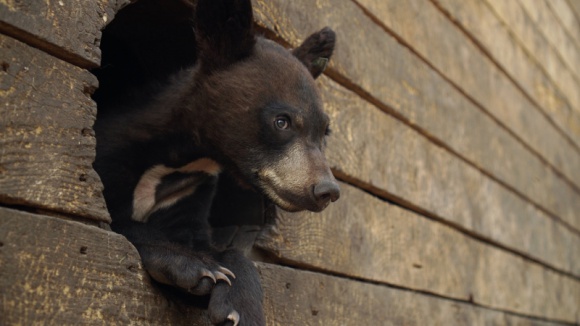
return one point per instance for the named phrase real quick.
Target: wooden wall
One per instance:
(456, 138)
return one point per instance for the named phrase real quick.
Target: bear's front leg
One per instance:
(175, 265)
(174, 244)
(243, 299)
(229, 277)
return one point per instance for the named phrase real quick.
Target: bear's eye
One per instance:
(282, 123)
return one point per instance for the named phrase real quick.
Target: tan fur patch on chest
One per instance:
(145, 196)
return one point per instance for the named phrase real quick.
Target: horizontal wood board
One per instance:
(379, 153)
(414, 91)
(558, 204)
(575, 5)
(529, 36)
(47, 146)
(555, 98)
(548, 23)
(107, 285)
(548, 241)
(70, 30)
(565, 15)
(61, 15)
(45, 278)
(301, 298)
(510, 161)
(366, 238)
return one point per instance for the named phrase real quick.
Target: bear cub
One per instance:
(249, 107)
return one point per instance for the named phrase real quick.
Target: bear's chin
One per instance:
(289, 206)
(283, 204)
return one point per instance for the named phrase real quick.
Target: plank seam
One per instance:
(384, 196)
(365, 95)
(345, 82)
(566, 30)
(540, 33)
(56, 214)
(557, 49)
(376, 192)
(388, 110)
(45, 46)
(374, 101)
(313, 269)
(574, 12)
(536, 105)
(522, 43)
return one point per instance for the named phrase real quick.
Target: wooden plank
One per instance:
(404, 18)
(563, 10)
(45, 279)
(46, 142)
(69, 30)
(306, 298)
(547, 22)
(407, 87)
(381, 154)
(510, 174)
(575, 5)
(419, 254)
(74, 274)
(532, 39)
(479, 20)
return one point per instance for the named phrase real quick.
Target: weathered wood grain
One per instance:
(365, 238)
(537, 193)
(565, 13)
(379, 153)
(70, 30)
(45, 279)
(302, 298)
(57, 272)
(477, 18)
(575, 6)
(415, 92)
(46, 142)
(532, 39)
(420, 23)
(548, 23)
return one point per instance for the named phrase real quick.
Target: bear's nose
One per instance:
(324, 192)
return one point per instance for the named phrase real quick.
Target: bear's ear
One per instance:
(224, 31)
(316, 50)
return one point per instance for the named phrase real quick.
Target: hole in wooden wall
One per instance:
(145, 44)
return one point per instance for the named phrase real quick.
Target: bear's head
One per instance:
(261, 109)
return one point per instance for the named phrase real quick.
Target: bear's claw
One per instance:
(227, 272)
(208, 274)
(234, 317)
(221, 274)
(223, 277)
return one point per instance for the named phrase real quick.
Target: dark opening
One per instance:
(144, 45)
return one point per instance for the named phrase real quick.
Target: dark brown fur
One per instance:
(230, 108)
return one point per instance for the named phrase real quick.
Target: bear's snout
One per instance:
(325, 192)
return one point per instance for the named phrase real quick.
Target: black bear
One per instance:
(248, 106)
